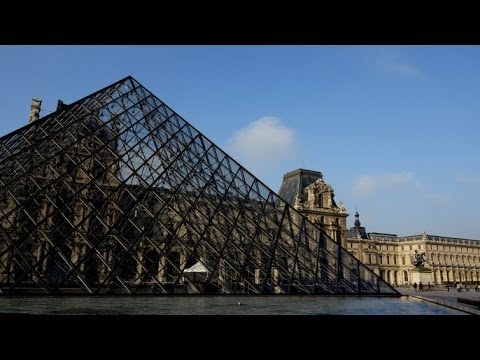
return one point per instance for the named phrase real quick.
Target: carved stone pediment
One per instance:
(319, 195)
(370, 247)
(319, 186)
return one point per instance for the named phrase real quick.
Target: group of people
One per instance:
(456, 286)
(459, 287)
(419, 287)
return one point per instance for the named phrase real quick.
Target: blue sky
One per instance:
(394, 129)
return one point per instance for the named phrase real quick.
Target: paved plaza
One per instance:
(447, 298)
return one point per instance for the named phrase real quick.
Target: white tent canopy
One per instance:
(197, 273)
(198, 267)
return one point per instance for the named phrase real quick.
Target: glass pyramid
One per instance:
(117, 194)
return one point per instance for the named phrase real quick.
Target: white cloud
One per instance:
(366, 184)
(264, 143)
(392, 62)
(402, 68)
(438, 199)
(469, 179)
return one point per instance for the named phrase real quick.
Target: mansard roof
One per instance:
(295, 181)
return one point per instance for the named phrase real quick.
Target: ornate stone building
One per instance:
(388, 255)
(308, 193)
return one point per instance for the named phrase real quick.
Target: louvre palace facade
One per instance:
(118, 194)
(390, 256)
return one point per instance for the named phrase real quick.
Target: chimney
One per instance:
(35, 109)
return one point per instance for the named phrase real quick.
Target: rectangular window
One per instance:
(394, 260)
(388, 259)
(410, 247)
(369, 258)
(380, 258)
(403, 260)
(402, 248)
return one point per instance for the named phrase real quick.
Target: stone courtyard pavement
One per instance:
(452, 298)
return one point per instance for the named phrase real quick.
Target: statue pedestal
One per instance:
(421, 275)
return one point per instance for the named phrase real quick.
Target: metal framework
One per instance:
(116, 193)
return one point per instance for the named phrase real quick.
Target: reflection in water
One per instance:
(222, 305)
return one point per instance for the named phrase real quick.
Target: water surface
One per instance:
(222, 305)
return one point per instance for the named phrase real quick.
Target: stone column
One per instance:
(139, 272)
(222, 276)
(5, 265)
(162, 274)
(182, 261)
(76, 245)
(35, 110)
(257, 277)
(104, 271)
(83, 252)
(276, 278)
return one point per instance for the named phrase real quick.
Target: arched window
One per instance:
(99, 169)
(71, 168)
